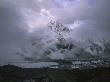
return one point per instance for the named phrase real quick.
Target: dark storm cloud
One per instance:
(10, 27)
(12, 30)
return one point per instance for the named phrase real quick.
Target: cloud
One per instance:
(12, 31)
(83, 10)
(22, 20)
(94, 15)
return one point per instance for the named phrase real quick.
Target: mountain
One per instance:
(56, 43)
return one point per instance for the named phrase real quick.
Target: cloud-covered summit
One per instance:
(23, 20)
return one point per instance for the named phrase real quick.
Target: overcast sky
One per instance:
(21, 20)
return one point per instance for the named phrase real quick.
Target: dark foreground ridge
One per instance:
(10, 73)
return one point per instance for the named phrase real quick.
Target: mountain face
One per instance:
(56, 43)
(59, 29)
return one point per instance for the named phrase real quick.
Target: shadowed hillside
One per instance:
(10, 73)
